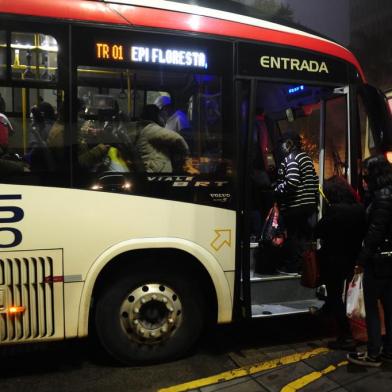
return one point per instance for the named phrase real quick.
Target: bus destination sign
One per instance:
(151, 55)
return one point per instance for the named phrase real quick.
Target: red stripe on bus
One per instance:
(54, 279)
(63, 9)
(151, 17)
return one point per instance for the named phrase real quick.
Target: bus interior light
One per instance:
(16, 309)
(296, 89)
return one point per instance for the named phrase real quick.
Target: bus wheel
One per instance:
(149, 317)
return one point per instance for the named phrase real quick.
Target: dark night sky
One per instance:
(329, 17)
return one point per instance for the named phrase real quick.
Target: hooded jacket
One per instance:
(156, 146)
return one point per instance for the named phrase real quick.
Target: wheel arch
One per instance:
(170, 251)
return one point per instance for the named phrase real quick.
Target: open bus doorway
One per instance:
(319, 114)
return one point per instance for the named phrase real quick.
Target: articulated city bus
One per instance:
(145, 254)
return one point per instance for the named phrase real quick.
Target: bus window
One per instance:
(297, 108)
(112, 136)
(3, 54)
(34, 57)
(336, 137)
(378, 123)
(32, 144)
(367, 140)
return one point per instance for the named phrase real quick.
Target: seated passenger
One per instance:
(155, 145)
(100, 148)
(9, 163)
(38, 156)
(92, 151)
(39, 128)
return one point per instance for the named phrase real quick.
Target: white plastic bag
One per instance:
(355, 304)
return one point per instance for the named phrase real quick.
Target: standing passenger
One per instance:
(341, 231)
(176, 120)
(155, 145)
(377, 278)
(296, 192)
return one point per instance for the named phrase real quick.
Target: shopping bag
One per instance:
(310, 276)
(358, 326)
(274, 232)
(355, 304)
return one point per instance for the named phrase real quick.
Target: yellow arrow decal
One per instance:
(223, 236)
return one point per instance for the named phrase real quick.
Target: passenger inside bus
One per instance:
(9, 163)
(173, 119)
(99, 148)
(293, 111)
(157, 145)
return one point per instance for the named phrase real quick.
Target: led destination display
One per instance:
(153, 55)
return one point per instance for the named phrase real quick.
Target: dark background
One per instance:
(364, 26)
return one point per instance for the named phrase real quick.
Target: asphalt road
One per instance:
(79, 366)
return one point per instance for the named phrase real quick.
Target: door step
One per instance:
(286, 308)
(279, 289)
(263, 278)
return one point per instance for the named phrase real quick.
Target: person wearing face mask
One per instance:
(296, 191)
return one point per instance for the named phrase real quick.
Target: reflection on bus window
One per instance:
(34, 56)
(114, 136)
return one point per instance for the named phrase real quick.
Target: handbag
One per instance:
(310, 269)
(359, 329)
(274, 231)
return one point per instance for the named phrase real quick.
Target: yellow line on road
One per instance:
(245, 371)
(295, 385)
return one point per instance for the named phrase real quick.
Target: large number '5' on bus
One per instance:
(17, 215)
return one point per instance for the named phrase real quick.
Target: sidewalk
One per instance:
(293, 369)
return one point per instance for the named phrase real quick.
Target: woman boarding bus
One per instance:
(90, 239)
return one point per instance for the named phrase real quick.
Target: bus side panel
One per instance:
(72, 295)
(92, 227)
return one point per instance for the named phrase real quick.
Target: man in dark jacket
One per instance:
(341, 231)
(296, 192)
(376, 267)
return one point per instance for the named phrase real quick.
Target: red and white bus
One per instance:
(147, 256)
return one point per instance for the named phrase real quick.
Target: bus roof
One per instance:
(176, 16)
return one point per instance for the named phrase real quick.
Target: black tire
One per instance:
(127, 349)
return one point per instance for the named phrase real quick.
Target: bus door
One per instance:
(266, 110)
(374, 121)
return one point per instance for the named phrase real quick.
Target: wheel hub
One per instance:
(151, 313)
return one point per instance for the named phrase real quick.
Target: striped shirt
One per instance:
(297, 181)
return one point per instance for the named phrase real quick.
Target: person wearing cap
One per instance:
(177, 121)
(296, 191)
(375, 262)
